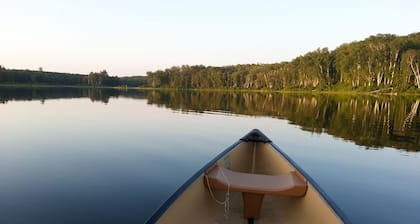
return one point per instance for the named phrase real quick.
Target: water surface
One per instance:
(100, 156)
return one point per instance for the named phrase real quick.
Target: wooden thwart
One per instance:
(255, 186)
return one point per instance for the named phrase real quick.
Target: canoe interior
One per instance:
(195, 205)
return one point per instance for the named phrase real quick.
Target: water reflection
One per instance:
(370, 121)
(95, 95)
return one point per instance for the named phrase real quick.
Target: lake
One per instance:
(106, 156)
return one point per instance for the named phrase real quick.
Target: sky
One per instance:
(132, 37)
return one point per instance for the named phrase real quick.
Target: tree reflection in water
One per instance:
(370, 121)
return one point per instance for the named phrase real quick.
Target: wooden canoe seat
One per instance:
(255, 186)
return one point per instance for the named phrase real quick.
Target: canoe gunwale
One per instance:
(159, 212)
(314, 184)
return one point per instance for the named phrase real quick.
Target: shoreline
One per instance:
(385, 92)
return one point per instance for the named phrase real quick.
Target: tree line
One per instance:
(102, 78)
(383, 61)
(378, 62)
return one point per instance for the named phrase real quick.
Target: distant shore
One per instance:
(289, 91)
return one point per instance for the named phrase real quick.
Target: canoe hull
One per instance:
(193, 203)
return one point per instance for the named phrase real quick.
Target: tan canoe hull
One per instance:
(194, 203)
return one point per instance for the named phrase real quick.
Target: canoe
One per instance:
(252, 181)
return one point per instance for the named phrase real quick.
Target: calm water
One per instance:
(84, 156)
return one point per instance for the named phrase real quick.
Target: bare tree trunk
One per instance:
(418, 75)
(267, 84)
(370, 72)
(397, 55)
(379, 78)
(415, 69)
(320, 69)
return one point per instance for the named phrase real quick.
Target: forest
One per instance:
(383, 61)
(40, 77)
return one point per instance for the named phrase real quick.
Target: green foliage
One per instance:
(40, 77)
(13, 76)
(132, 81)
(379, 62)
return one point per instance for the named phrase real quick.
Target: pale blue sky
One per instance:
(132, 37)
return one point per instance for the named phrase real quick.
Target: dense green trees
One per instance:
(132, 81)
(14, 76)
(39, 77)
(381, 61)
(100, 78)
